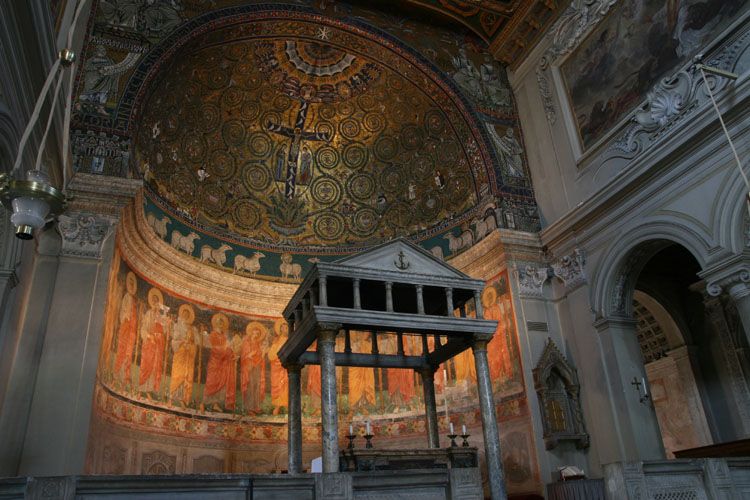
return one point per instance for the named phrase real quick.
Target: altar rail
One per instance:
(693, 479)
(434, 484)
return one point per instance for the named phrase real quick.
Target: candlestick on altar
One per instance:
(450, 426)
(463, 428)
(367, 427)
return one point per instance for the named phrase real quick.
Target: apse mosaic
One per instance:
(390, 158)
(280, 131)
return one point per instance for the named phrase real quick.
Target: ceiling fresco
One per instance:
(292, 132)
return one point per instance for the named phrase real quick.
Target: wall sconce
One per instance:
(642, 389)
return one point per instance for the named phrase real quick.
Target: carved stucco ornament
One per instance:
(673, 100)
(531, 280)
(735, 282)
(570, 269)
(83, 234)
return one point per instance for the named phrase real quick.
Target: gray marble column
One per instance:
(295, 419)
(449, 301)
(420, 299)
(323, 291)
(355, 292)
(328, 409)
(389, 296)
(489, 422)
(430, 407)
(478, 304)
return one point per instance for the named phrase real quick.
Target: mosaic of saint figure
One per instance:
(463, 363)
(185, 340)
(127, 332)
(509, 151)
(252, 363)
(221, 370)
(305, 166)
(98, 82)
(154, 330)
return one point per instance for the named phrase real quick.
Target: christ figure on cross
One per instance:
(297, 135)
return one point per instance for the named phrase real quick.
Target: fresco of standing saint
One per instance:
(154, 329)
(221, 371)
(279, 380)
(252, 373)
(185, 341)
(126, 334)
(361, 380)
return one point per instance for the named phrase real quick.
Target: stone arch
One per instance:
(614, 281)
(731, 220)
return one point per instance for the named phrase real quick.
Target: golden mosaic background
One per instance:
(376, 147)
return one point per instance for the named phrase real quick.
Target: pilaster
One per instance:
(58, 422)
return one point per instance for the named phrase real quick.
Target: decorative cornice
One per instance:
(157, 261)
(101, 194)
(83, 234)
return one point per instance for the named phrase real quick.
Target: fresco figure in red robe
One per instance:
(279, 379)
(400, 381)
(221, 370)
(154, 330)
(252, 373)
(498, 354)
(126, 334)
(184, 348)
(361, 380)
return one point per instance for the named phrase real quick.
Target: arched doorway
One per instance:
(692, 347)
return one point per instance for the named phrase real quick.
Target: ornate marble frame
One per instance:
(667, 105)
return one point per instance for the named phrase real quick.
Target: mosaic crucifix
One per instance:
(297, 135)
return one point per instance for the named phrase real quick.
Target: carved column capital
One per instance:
(736, 282)
(327, 332)
(570, 269)
(479, 343)
(293, 367)
(531, 279)
(83, 234)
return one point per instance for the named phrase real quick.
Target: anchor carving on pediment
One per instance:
(402, 263)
